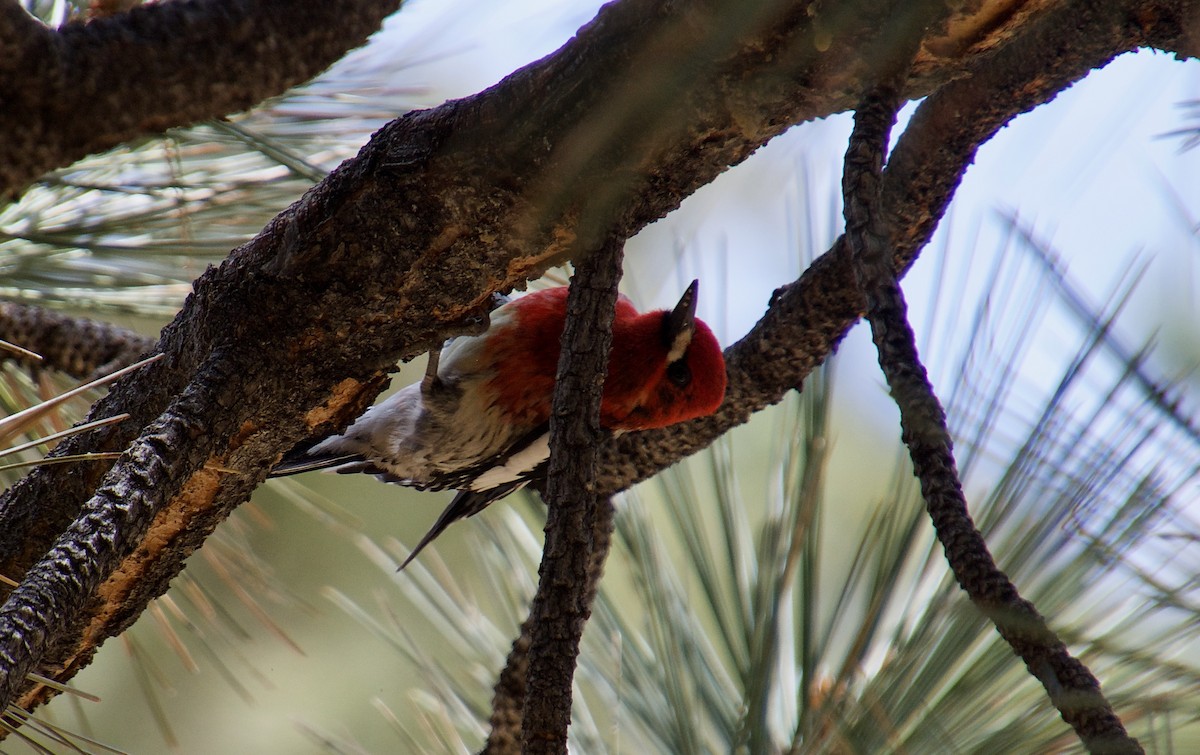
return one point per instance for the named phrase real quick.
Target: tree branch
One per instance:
(562, 603)
(402, 246)
(92, 85)
(112, 521)
(1072, 688)
(77, 346)
(807, 319)
(508, 700)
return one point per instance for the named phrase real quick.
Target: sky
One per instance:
(1094, 174)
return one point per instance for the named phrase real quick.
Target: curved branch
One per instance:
(402, 246)
(92, 85)
(1072, 688)
(77, 346)
(807, 319)
(109, 525)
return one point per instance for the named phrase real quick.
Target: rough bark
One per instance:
(76, 346)
(91, 85)
(1072, 688)
(807, 319)
(562, 604)
(508, 698)
(402, 245)
(398, 247)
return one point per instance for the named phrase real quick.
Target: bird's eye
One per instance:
(679, 373)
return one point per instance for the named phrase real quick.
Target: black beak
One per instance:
(680, 324)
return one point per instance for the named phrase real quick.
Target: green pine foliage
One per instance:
(779, 592)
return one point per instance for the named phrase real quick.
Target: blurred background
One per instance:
(779, 592)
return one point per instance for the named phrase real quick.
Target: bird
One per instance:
(479, 420)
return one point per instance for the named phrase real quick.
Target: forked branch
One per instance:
(1072, 688)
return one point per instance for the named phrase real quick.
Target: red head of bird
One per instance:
(665, 366)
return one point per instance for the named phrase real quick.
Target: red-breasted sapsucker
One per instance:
(479, 422)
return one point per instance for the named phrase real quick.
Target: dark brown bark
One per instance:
(77, 346)
(807, 319)
(1072, 688)
(562, 604)
(92, 85)
(508, 696)
(508, 700)
(402, 246)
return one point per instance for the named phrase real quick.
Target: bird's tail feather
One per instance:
(297, 462)
(466, 503)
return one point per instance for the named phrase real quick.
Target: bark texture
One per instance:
(1072, 688)
(91, 85)
(77, 346)
(1049, 51)
(562, 604)
(402, 246)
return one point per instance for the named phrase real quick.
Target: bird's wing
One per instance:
(490, 480)
(515, 461)
(466, 503)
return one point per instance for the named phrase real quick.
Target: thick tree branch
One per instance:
(807, 319)
(398, 247)
(92, 85)
(402, 245)
(114, 520)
